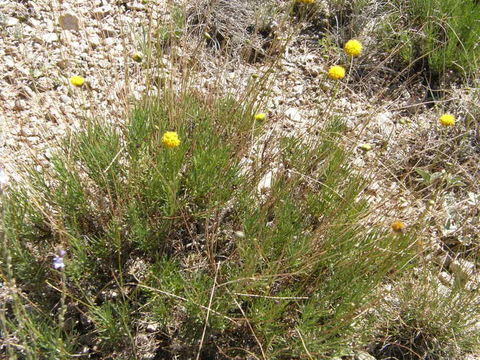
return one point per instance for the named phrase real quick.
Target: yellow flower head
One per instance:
(398, 226)
(77, 81)
(260, 116)
(137, 56)
(365, 147)
(447, 120)
(336, 72)
(170, 139)
(353, 48)
(305, 1)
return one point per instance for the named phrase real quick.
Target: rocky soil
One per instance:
(43, 44)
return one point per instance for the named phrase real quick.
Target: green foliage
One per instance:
(451, 31)
(115, 194)
(37, 334)
(441, 33)
(295, 258)
(185, 239)
(423, 318)
(112, 323)
(304, 269)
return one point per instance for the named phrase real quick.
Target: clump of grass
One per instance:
(243, 28)
(232, 270)
(176, 234)
(439, 35)
(438, 165)
(444, 161)
(424, 319)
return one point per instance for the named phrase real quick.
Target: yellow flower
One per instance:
(398, 226)
(365, 147)
(305, 1)
(170, 139)
(260, 116)
(447, 120)
(353, 48)
(137, 56)
(77, 81)
(336, 72)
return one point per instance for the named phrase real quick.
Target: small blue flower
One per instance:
(58, 263)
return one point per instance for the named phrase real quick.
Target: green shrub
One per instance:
(292, 258)
(442, 34)
(421, 318)
(184, 239)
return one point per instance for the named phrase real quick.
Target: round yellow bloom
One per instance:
(137, 56)
(336, 72)
(353, 48)
(170, 139)
(365, 147)
(447, 120)
(398, 226)
(77, 81)
(305, 1)
(260, 116)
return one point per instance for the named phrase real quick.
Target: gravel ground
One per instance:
(43, 44)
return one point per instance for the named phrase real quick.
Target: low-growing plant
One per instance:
(162, 229)
(421, 318)
(232, 269)
(439, 35)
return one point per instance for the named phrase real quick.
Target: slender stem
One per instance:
(63, 306)
(212, 292)
(9, 275)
